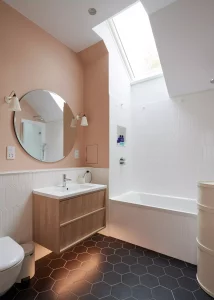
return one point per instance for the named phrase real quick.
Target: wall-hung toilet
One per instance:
(11, 258)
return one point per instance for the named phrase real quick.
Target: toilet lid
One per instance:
(11, 253)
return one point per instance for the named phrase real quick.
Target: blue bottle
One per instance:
(122, 140)
(119, 140)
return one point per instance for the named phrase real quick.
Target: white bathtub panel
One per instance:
(164, 232)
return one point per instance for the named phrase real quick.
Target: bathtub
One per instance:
(161, 223)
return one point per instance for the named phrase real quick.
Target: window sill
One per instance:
(133, 82)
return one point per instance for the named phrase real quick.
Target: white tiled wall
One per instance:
(120, 114)
(16, 197)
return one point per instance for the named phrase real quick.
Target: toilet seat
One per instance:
(11, 253)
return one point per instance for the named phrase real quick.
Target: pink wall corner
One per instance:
(96, 101)
(32, 59)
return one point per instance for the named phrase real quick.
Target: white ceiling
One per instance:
(152, 6)
(69, 21)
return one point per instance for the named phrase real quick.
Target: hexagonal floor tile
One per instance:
(156, 271)
(81, 288)
(102, 244)
(48, 295)
(67, 296)
(43, 272)
(108, 251)
(130, 279)
(69, 256)
(121, 268)
(164, 256)
(80, 249)
(25, 294)
(112, 278)
(189, 272)
(129, 260)
(114, 259)
(121, 291)
(94, 276)
(145, 261)
(109, 239)
(115, 245)
(182, 294)
(26, 285)
(98, 258)
(168, 282)
(84, 257)
(149, 280)
(94, 250)
(42, 262)
(88, 297)
(141, 292)
(105, 267)
(136, 252)
(101, 289)
(63, 286)
(188, 284)
(161, 262)
(44, 284)
(177, 263)
(89, 244)
(72, 264)
(122, 252)
(97, 238)
(53, 255)
(161, 293)
(201, 295)
(138, 269)
(89, 265)
(173, 271)
(57, 263)
(128, 246)
(59, 274)
(151, 254)
(76, 275)
(106, 264)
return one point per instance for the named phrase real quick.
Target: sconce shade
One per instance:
(13, 102)
(73, 123)
(84, 121)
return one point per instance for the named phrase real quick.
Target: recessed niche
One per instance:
(121, 136)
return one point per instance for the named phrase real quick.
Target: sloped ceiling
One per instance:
(69, 21)
(152, 6)
(44, 105)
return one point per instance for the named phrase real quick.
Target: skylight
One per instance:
(59, 101)
(134, 36)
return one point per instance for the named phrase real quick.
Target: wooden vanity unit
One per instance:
(59, 224)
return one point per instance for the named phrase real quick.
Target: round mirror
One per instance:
(43, 126)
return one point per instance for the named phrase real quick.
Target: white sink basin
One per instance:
(71, 190)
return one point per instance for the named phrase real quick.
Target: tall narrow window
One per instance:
(135, 39)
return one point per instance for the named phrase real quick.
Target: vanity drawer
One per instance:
(76, 207)
(81, 228)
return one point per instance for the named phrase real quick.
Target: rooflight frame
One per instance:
(124, 57)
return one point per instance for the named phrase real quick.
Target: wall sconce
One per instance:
(84, 121)
(13, 102)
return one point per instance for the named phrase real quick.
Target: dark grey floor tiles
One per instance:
(109, 269)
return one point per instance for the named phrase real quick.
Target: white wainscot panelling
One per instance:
(16, 198)
(162, 231)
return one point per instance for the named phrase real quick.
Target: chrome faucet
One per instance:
(65, 179)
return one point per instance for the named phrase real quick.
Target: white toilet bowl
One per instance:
(11, 258)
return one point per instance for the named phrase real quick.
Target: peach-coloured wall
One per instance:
(32, 59)
(96, 105)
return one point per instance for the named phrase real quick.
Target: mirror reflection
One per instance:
(43, 126)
